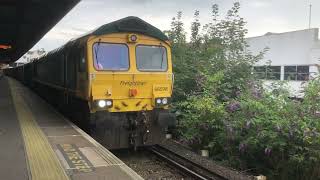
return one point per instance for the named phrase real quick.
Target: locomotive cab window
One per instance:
(114, 57)
(151, 58)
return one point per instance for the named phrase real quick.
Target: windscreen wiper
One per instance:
(96, 50)
(162, 51)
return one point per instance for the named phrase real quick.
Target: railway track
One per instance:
(186, 166)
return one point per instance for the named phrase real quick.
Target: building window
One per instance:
(296, 73)
(273, 72)
(260, 72)
(303, 73)
(268, 72)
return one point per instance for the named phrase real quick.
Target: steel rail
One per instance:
(186, 166)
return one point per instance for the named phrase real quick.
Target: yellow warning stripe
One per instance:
(42, 160)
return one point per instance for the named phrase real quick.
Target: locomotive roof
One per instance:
(130, 24)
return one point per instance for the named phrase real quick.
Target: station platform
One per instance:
(38, 143)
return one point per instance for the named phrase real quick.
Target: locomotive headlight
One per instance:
(161, 101)
(158, 101)
(164, 101)
(102, 103)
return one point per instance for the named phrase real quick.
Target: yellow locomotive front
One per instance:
(129, 87)
(114, 82)
(129, 72)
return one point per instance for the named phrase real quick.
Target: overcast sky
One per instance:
(262, 16)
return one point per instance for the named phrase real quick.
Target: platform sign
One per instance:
(75, 158)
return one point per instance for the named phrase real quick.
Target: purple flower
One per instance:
(257, 94)
(233, 106)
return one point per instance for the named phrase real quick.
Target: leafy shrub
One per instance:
(222, 108)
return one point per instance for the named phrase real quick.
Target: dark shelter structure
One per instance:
(24, 22)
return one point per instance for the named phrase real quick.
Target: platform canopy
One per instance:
(24, 22)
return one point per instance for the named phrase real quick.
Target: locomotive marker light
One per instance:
(132, 38)
(109, 103)
(164, 101)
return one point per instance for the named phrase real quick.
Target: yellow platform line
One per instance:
(43, 162)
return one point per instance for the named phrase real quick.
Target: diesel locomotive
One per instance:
(114, 82)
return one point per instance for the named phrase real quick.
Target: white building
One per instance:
(28, 57)
(291, 56)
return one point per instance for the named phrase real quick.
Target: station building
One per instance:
(291, 56)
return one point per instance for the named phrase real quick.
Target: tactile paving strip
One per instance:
(43, 162)
(79, 154)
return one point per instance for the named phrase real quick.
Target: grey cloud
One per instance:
(262, 15)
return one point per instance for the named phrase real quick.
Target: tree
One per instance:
(195, 30)
(177, 34)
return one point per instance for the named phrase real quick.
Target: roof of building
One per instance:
(311, 30)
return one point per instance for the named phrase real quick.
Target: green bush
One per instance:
(276, 135)
(222, 108)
